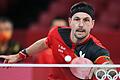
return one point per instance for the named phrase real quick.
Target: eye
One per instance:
(76, 19)
(86, 20)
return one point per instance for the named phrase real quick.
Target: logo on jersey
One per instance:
(61, 48)
(82, 54)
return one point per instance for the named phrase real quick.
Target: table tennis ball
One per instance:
(67, 58)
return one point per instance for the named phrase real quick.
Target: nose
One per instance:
(81, 23)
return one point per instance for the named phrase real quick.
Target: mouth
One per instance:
(80, 30)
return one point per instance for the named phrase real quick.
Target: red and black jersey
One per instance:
(59, 41)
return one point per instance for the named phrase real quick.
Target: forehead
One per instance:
(81, 15)
(5, 25)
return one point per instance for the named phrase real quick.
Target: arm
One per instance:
(34, 48)
(37, 46)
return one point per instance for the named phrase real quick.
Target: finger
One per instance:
(10, 62)
(5, 61)
(2, 56)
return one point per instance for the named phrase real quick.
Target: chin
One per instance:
(80, 37)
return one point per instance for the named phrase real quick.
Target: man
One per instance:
(71, 42)
(7, 45)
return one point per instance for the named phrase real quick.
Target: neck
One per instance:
(77, 41)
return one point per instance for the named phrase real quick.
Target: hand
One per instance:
(11, 58)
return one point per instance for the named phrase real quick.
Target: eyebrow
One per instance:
(82, 18)
(87, 18)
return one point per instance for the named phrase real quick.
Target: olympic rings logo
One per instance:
(102, 74)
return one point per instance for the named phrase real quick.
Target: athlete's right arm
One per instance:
(34, 48)
(37, 46)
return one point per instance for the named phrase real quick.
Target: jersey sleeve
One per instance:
(51, 35)
(102, 56)
(47, 41)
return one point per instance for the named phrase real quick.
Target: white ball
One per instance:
(67, 58)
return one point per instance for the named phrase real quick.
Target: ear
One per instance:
(93, 22)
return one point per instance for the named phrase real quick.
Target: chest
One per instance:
(61, 51)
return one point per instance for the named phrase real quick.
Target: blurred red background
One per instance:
(107, 29)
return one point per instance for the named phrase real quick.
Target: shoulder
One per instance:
(56, 34)
(96, 45)
(97, 49)
(57, 30)
(97, 42)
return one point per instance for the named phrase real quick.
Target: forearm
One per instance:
(37, 47)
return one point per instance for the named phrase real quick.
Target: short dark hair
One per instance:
(82, 7)
(5, 19)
